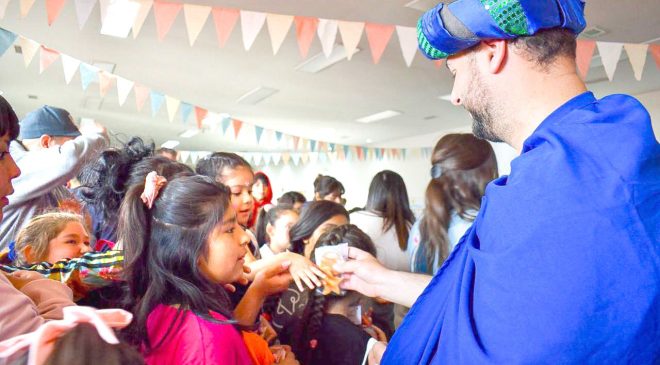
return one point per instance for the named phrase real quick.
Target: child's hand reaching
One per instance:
(273, 279)
(284, 355)
(303, 270)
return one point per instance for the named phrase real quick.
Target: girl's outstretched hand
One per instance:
(304, 270)
(273, 279)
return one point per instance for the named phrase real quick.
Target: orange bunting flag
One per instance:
(141, 94)
(379, 36)
(305, 32)
(165, 14)
(237, 127)
(47, 57)
(583, 55)
(25, 6)
(225, 21)
(200, 114)
(655, 52)
(105, 80)
(53, 9)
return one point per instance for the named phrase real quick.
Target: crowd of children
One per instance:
(202, 264)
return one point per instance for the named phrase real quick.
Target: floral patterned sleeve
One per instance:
(92, 271)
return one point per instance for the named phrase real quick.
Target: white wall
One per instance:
(356, 176)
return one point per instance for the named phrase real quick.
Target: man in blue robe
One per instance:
(562, 264)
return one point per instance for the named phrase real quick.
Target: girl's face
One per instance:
(335, 221)
(335, 196)
(239, 180)
(226, 251)
(279, 233)
(72, 242)
(258, 190)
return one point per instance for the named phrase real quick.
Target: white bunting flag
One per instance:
(172, 105)
(145, 8)
(195, 16)
(351, 32)
(327, 32)
(70, 66)
(278, 27)
(83, 11)
(408, 41)
(610, 53)
(251, 24)
(637, 58)
(3, 7)
(29, 48)
(124, 87)
(183, 156)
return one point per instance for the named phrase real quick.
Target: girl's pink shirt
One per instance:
(196, 341)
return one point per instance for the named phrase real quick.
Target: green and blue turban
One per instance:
(448, 29)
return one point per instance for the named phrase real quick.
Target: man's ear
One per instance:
(45, 141)
(495, 53)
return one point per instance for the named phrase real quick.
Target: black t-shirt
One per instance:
(340, 342)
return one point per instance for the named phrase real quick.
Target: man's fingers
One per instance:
(348, 267)
(230, 288)
(357, 254)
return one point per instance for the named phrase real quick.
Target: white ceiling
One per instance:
(321, 106)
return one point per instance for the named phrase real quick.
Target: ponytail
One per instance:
(433, 227)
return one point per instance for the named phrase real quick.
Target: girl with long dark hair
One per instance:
(462, 166)
(316, 218)
(328, 188)
(387, 219)
(178, 257)
(329, 331)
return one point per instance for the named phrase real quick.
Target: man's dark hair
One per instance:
(547, 45)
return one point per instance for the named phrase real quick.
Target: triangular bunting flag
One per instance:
(364, 151)
(183, 156)
(378, 153)
(278, 136)
(312, 145)
(47, 57)
(305, 31)
(172, 106)
(286, 157)
(29, 49)
(404, 153)
(195, 16)
(237, 127)
(408, 42)
(378, 36)
(83, 11)
(258, 131)
(346, 150)
(295, 157)
(141, 94)
(88, 74)
(3, 9)
(157, 100)
(303, 144)
(583, 55)
(278, 27)
(332, 147)
(655, 52)
(225, 20)
(123, 89)
(225, 125)
(165, 14)
(105, 80)
(145, 8)
(194, 157)
(118, 17)
(186, 110)
(200, 114)
(53, 9)
(276, 157)
(70, 66)
(7, 38)
(296, 139)
(251, 24)
(610, 53)
(327, 32)
(637, 58)
(26, 5)
(350, 32)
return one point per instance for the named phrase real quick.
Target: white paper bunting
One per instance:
(70, 66)
(251, 24)
(637, 58)
(351, 32)
(278, 27)
(327, 32)
(83, 11)
(195, 16)
(609, 53)
(408, 41)
(172, 106)
(124, 87)
(145, 7)
(29, 48)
